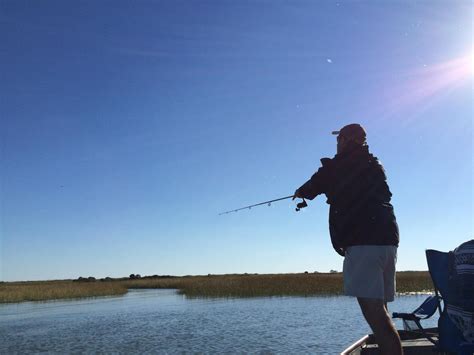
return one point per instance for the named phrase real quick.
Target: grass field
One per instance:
(238, 285)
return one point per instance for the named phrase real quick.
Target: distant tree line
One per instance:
(138, 277)
(131, 277)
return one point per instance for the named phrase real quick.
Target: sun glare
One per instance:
(434, 79)
(472, 62)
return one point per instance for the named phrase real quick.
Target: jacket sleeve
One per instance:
(319, 182)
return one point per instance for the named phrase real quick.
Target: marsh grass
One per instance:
(234, 285)
(52, 290)
(248, 285)
(414, 281)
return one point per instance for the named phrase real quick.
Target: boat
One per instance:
(413, 342)
(452, 274)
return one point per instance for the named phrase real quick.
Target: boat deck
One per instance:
(417, 346)
(412, 343)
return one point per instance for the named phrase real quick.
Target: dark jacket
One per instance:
(356, 189)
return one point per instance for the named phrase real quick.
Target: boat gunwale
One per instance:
(358, 344)
(369, 339)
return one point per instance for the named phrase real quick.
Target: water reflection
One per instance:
(164, 321)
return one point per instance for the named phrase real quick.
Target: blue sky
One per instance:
(126, 127)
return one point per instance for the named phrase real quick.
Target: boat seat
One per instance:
(412, 321)
(445, 269)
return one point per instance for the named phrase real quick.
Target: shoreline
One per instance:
(210, 286)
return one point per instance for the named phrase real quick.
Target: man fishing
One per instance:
(363, 228)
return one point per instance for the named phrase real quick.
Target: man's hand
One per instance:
(340, 251)
(297, 194)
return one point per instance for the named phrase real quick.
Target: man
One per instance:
(363, 228)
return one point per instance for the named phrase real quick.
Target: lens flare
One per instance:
(448, 74)
(472, 63)
(430, 81)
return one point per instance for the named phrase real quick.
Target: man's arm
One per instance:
(317, 185)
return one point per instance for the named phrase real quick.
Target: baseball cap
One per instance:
(354, 132)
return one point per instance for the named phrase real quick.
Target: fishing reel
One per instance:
(301, 205)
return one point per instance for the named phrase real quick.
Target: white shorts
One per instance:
(369, 271)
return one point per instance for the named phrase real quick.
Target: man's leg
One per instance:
(375, 313)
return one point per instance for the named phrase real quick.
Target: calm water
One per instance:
(163, 321)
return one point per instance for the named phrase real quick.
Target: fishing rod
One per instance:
(298, 206)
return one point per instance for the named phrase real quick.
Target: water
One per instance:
(162, 321)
